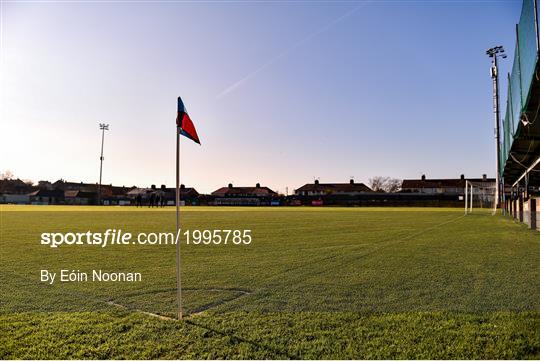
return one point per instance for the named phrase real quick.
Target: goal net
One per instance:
(480, 197)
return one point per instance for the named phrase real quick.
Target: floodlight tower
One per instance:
(103, 128)
(494, 53)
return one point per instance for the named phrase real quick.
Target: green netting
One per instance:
(515, 91)
(527, 48)
(521, 77)
(505, 145)
(508, 132)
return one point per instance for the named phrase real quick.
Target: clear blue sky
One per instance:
(280, 92)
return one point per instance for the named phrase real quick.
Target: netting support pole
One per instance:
(466, 195)
(520, 200)
(471, 200)
(515, 205)
(503, 197)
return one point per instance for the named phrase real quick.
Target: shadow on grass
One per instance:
(238, 339)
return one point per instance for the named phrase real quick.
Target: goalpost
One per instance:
(481, 196)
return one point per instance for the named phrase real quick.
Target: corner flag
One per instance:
(183, 121)
(185, 127)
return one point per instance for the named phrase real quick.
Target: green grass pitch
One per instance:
(314, 283)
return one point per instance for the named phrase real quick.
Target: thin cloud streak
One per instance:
(284, 53)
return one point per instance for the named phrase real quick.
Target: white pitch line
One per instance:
(194, 314)
(141, 311)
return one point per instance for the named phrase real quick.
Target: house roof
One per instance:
(63, 185)
(334, 187)
(13, 186)
(79, 194)
(237, 191)
(142, 191)
(106, 189)
(185, 191)
(441, 183)
(47, 193)
(119, 191)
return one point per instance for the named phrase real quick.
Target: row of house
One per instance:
(441, 186)
(316, 193)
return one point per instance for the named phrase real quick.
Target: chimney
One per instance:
(258, 185)
(423, 177)
(484, 177)
(351, 181)
(463, 177)
(153, 186)
(316, 181)
(230, 185)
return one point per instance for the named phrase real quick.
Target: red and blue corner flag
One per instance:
(183, 121)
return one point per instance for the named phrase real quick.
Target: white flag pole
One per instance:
(178, 263)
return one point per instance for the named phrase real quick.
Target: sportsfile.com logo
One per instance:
(117, 237)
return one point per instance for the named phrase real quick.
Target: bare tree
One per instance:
(7, 174)
(377, 183)
(392, 185)
(384, 184)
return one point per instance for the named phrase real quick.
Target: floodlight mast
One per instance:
(103, 128)
(494, 53)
